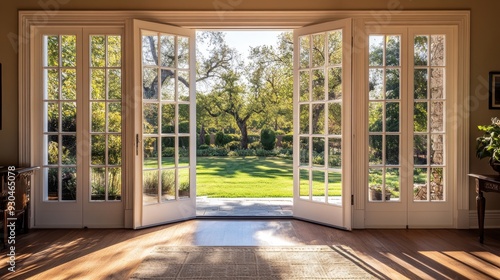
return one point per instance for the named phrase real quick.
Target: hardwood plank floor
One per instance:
(389, 254)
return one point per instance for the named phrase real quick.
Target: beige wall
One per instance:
(485, 48)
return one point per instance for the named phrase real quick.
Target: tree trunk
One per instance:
(202, 135)
(242, 125)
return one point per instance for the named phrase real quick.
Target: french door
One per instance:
(322, 123)
(165, 129)
(410, 78)
(78, 98)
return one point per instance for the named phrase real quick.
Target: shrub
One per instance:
(219, 138)
(253, 138)
(233, 145)
(204, 147)
(287, 138)
(212, 152)
(267, 138)
(255, 146)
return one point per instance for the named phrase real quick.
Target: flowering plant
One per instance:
(488, 145)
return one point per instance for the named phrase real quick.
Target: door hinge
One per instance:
(352, 199)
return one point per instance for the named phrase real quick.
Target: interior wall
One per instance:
(485, 39)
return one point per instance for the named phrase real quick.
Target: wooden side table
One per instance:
(484, 183)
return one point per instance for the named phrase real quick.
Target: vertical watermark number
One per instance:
(11, 219)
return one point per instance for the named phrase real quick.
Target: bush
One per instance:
(267, 139)
(252, 138)
(233, 145)
(255, 146)
(287, 138)
(204, 147)
(219, 139)
(212, 152)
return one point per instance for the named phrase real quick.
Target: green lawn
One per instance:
(244, 177)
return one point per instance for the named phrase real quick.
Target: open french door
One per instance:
(322, 123)
(165, 116)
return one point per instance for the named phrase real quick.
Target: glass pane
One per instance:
(167, 84)
(437, 185)
(68, 84)
(115, 84)
(97, 51)
(68, 50)
(318, 53)
(304, 184)
(304, 151)
(437, 50)
(318, 185)
(335, 188)
(392, 84)
(304, 80)
(420, 86)
(183, 118)
(51, 79)
(98, 149)
(68, 149)
(68, 184)
(421, 48)
(183, 85)
(392, 51)
(184, 183)
(51, 49)
(98, 118)
(52, 114)
(318, 152)
(305, 53)
(420, 149)
(318, 84)
(98, 183)
(335, 118)
(114, 51)
(167, 152)
(437, 83)
(392, 150)
(150, 113)
(168, 118)
(420, 184)
(52, 183)
(150, 187)
(375, 184)
(392, 187)
(150, 152)
(375, 149)
(334, 153)
(437, 116)
(318, 120)
(304, 119)
(420, 117)
(183, 151)
(183, 52)
(167, 50)
(375, 116)
(68, 116)
(335, 47)
(149, 46)
(97, 84)
(114, 183)
(150, 83)
(437, 149)
(167, 185)
(392, 117)
(114, 149)
(376, 50)
(376, 84)
(335, 83)
(52, 149)
(114, 117)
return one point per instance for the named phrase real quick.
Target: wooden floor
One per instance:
(392, 254)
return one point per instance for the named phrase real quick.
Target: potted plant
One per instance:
(488, 145)
(376, 193)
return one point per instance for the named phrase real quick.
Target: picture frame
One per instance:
(494, 90)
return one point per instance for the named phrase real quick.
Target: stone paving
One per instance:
(248, 207)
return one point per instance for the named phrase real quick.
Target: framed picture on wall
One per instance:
(494, 90)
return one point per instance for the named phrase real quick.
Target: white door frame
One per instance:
(253, 20)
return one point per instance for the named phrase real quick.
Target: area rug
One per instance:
(259, 263)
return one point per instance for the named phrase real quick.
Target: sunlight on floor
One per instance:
(468, 265)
